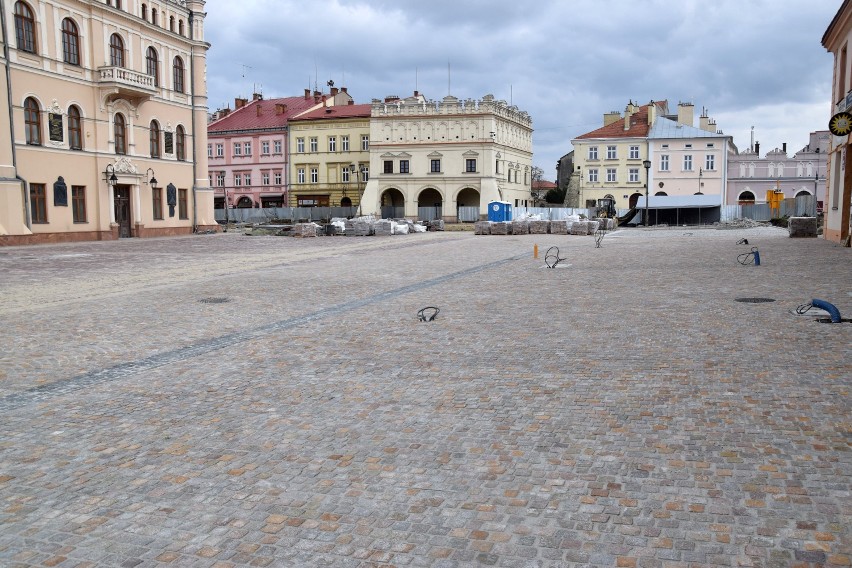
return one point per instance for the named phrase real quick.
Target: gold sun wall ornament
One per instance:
(840, 124)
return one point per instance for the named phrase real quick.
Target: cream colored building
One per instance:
(329, 156)
(430, 158)
(107, 114)
(838, 199)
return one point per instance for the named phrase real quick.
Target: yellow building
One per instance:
(107, 114)
(838, 199)
(329, 156)
(610, 159)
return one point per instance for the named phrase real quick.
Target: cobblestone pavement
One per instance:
(620, 410)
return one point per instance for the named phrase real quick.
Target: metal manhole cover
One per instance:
(755, 300)
(214, 300)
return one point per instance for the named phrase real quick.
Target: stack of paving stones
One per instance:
(592, 227)
(539, 227)
(501, 228)
(802, 226)
(559, 227)
(605, 223)
(580, 228)
(521, 227)
(358, 228)
(436, 225)
(302, 230)
(383, 227)
(482, 228)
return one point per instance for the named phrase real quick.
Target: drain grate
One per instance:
(755, 300)
(214, 300)
(828, 320)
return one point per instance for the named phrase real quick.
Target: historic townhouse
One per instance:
(838, 201)
(609, 160)
(432, 159)
(330, 156)
(107, 116)
(249, 148)
(803, 173)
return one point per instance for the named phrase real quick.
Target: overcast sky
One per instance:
(566, 62)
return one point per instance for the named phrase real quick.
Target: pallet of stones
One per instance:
(302, 230)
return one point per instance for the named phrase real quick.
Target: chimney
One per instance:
(628, 112)
(343, 90)
(280, 108)
(259, 110)
(352, 102)
(334, 91)
(317, 96)
(307, 94)
(652, 113)
(784, 147)
(240, 103)
(611, 117)
(324, 98)
(704, 123)
(757, 148)
(686, 114)
(257, 97)
(416, 94)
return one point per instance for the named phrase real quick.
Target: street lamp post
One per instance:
(647, 164)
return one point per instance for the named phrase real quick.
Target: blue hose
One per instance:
(830, 308)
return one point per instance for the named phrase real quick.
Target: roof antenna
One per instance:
(449, 91)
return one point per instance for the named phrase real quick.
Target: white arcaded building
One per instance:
(440, 159)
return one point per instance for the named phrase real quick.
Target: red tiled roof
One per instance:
(544, 184)
(639, 126)
(247, 117)
(338, 111)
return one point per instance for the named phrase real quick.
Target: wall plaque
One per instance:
(54, 124)
(170, 143)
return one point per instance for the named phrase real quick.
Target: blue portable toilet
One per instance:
(499, 211)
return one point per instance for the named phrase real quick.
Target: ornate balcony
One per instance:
(121, 83)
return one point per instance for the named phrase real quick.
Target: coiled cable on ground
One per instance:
(551, 257)
(742, 242)
(429, 313)
(751, 257)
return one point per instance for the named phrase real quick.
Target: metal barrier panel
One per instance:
(468, 214)
(391, 212)
(428, 213)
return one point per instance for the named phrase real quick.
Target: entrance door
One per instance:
(122, 210)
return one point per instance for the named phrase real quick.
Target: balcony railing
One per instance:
(126, 81)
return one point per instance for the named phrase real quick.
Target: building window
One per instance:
(178, 73)
(264, 178)
(247, 148)
(78, 203)
(38, 203)
(70, 42)
(264, 147)
(403, 167)
(710, 162)
(611, 175)
(75, 129)
(210, 150)
(435, 166)
(300, 145)
(119, 129)
(314, 175)
(152, 65)
(157, 202)
(664, 162)
(365, 174)
(180, 143)
(470, 165)
(247, 179)
(154, 139)
(633, 175)
(634, 152)
(688, 146)
(365, 142)
(611, 153)
(144, 12)
(153, 16)
(300, 175)
(116, 51)
(687, 162)
(593, 152)
(238, 149)
(332, 144)
(183, 210)
(220, 179)
(238, 180)
(32, 121)
(314, 145)
(276, 178)
(220, 150)
(388, 166)
(345, 176)
(25, 27)
(180, 27)
(171, 24)
(344, 143)
(593, 175)
(276, 146)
